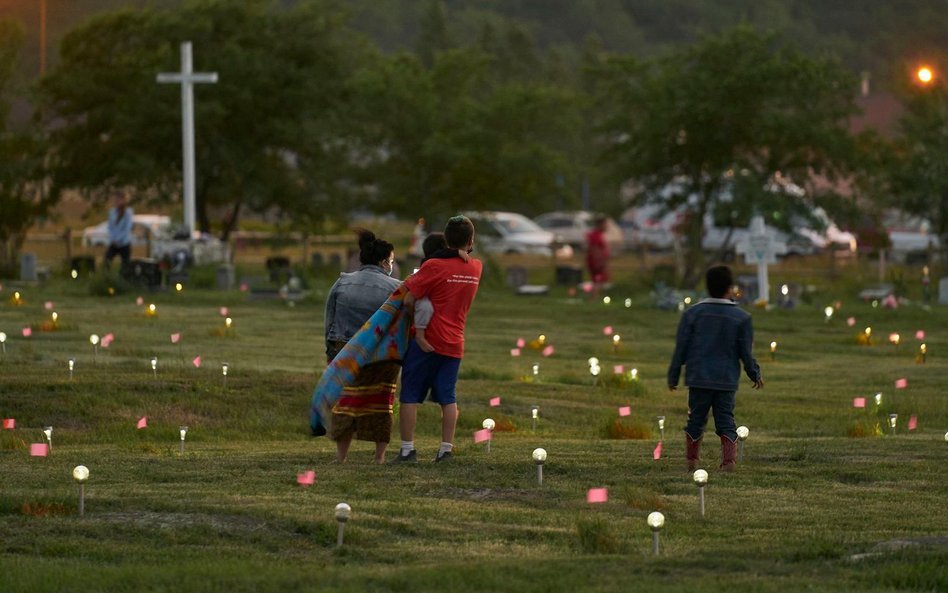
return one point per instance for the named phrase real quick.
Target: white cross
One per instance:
(187, 78)
(762, 248)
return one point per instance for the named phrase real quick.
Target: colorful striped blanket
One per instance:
(384, 337)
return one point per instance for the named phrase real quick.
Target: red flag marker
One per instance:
(107, 339)
(607, 331)
(913, 422)
(27, 332)
(920, 334)
(548, 351)
(521, 343)
(142, 423)
(494, 402)
(657, 453)
(482, 435)
(851, 321)
(515, 351)
(597, 495)
(901, 383)
(48, 305)
(9, 424)
(39, 449)
(859, 402)
(223, 311)
(618, 369)
(175, 338)
(197, 361)
(140, 301)
(307, 478)
(625, 411)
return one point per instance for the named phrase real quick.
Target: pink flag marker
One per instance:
(197, 361)
(548, 351)
(107, 339)
(859, 402)
(920, 334)
(482, 435)
(140, 301)
(851, 321)
(27, 332)
(607, 330)
(597, 495)
(9, 424)
(587, 287)
(244, 287)
(494, 402)
(901, 383)
(175, 338)
(307, 478)
(515, 351)
(223, 311)
(913, 422)
(521, 343)
(39, 449)
(142, 423)
(625, 411)
(48, 305)
(657, 453)
(618, 369)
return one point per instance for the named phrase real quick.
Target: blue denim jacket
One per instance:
(714, 338)
(353, 299)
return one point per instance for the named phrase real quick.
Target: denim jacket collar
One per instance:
(714, 301)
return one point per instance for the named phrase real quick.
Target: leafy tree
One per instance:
(709, 127)
(22, 196)
(266, 134)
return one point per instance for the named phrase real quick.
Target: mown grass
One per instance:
(228, 515)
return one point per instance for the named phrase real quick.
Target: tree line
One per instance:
(311, 120)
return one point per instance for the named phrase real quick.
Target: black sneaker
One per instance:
(412, 457)
(445, 456)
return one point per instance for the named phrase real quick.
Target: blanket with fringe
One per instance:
(382, 338)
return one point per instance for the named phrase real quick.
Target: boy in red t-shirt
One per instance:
(450, 284)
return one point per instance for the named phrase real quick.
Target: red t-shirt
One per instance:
(450, 284)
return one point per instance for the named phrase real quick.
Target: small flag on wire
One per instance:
(595, 495)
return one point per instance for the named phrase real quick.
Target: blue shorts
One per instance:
(428, 371)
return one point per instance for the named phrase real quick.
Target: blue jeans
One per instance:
(720, 403)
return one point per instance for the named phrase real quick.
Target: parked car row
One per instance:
(162, 240)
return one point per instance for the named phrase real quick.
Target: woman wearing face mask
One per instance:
(365, 409)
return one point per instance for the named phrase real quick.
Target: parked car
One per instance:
(144, 226)
(162, 240)
(647, 226)
(831, 236)
(509, 232)
(572, 227)
(910, 237)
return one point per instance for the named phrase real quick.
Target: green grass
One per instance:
(227, 515)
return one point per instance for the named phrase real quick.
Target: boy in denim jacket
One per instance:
(714, 338)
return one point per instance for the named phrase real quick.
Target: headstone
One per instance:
(568, 275)
(225, 277)
(761, 248)
(943, 291)
(145, 272)
(28, 267)
(516, 276)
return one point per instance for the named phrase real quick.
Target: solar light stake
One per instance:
(656, 521)
(661, 426)
(742, 432)
(535, 413)
(71, 363)
(94, 340)
(80, 474)
(893, 418)
(701, 480)
(224, 368)
(183, 431)
(539, 456)
(3, 342)
(343, 511)
(489, 424)
(154, 366)
(48, 431)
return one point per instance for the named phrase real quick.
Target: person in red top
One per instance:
(597, 254)
(451, 284)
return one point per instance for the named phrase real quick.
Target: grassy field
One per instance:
(228, 514)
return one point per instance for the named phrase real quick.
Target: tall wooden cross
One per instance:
(187, 78)
(761, 248)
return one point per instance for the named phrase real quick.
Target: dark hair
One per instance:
(371, 249)
(433, 242)
(718, 280)
(458, 232)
